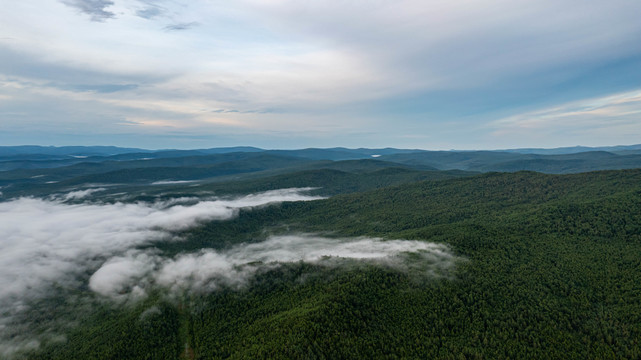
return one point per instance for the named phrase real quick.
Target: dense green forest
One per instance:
(42, 171)
(548, 268)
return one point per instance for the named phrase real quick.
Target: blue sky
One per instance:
(473, 74)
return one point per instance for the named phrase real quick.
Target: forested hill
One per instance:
(553, 269)
(486, 161)
(549, 268)
(562, 160)
(484, 199)
(39, 171)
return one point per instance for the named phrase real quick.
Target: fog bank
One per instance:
(46, 241)
(208, 269)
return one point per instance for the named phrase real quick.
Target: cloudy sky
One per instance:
(464, 74)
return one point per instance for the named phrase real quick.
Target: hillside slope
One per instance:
(550, 269)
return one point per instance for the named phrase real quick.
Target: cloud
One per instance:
(181, 26)
(126, 276)
(95, 8)
(359, 64)
(50, 246)
(209, 269)
(122, 275)
(98, 88)
(149, 12)
(150, 9)
(445, 45)
(81, 194)
(172, 182)
(47, 242)
(611, 118)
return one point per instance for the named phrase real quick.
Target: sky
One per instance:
(456, 74)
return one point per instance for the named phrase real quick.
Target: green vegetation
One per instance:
(39, 171)
(228, 178)
(149, 330)
(484, 161)
(552, 270)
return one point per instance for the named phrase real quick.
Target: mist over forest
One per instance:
(328, 179)
(107, 248)
(319, 253)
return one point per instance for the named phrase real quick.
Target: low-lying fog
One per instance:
(45, 241)
(128, 274)
(50, 243)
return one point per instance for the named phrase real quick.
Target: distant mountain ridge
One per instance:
(575, 149)
(41, 164)
(23, 150)
(67, 150)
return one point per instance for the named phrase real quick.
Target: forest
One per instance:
(546, 266)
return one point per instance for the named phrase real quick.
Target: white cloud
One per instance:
(119, 274)
(81, 194)
(46, 242)
(129, 275)
(445, 44)
(209, 269)
(612, 119)
(49, 243)
(295, 58)
(172, 182)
